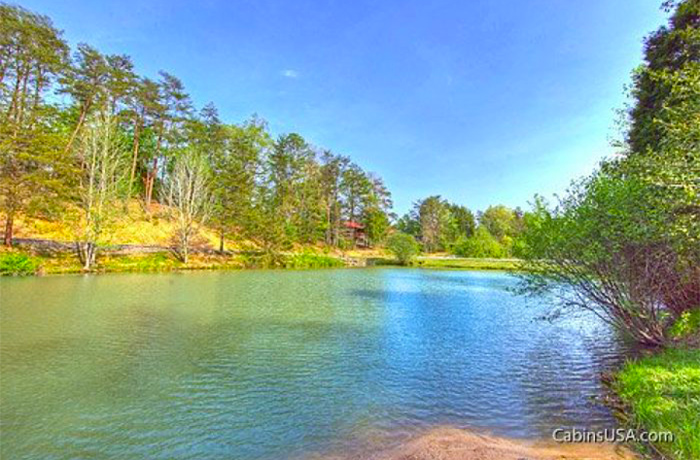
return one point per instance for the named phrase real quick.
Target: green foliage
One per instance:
(310, 260)
(626, 240)
(670, 50)
(34, 55)
(278, 193)
(462, 223)
(17, 264)
(481, 244)
(470, 263)
(688, 324)
(404, 247)
(437, 223)
(663, 393)
(608, 241)
(499, 220)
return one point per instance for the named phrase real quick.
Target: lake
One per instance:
(285, 364)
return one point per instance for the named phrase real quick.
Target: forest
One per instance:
(83, 135)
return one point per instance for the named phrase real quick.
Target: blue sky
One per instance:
(482, 102)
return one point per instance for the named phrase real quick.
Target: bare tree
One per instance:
(188, 194)
(100, 155)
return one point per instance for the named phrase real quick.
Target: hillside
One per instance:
(136, 226)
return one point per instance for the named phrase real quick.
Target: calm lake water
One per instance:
(284, 364)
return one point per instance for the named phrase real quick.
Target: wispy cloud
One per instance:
(290, 73)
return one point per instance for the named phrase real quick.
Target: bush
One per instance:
(481, 245)
(17, 264)
(687, 324)
(607, 242)
(403, 246)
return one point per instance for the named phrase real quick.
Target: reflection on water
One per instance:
(280, 364)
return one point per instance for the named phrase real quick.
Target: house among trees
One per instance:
(355, 232)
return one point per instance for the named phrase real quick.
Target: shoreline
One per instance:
(450, 443)
(27, 262)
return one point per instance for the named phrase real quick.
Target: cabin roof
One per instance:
(353, 224)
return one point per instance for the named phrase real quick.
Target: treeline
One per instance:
(625, 242)
(439, 225)
(81, 130)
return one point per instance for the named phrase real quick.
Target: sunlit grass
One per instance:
(470, 263)
(663, 394)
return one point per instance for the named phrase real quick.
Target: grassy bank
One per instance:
(17, 262)
(453, 263)
(469, 264)
(24, 262)
(662, 393)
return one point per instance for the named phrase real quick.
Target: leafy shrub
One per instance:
(13, 263)
(403, 246)
(480, 245)
(688, 323)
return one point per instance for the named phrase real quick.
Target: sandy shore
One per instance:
(456, 444)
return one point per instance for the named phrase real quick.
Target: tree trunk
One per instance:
(136, 155)
(83, 113)
(149, 184)
(222, 235)
(185, 250)
(86, 254)
(89, 256)
(9, 227)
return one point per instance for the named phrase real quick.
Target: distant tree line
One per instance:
(81, 130)
(439, 225)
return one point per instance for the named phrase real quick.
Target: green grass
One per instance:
(294, 260)
(18, 264)
(22, 263)
(159, 262)
(308, 260)
(469, 263)
(662, 393)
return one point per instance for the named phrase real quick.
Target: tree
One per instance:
(235, 169)
(33, 55)
(376, 207)
(499, 221)
(408, 223)
(170, 114)
(101, 155)
(144, 106)
(669, 50)
(462, 223)
(434, 217)
(332, 171)
(188, 195)
(85, 83)
(355, 186)
(403, 246)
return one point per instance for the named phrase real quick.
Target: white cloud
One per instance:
(290, 73)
